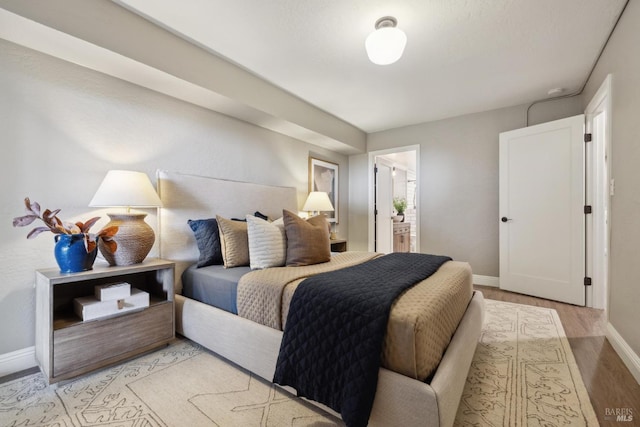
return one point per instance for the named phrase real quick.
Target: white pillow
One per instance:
(267, 243)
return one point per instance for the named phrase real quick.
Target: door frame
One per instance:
(597, 265)
(384, 163)
(370, 171)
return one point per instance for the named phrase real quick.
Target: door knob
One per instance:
(505, 219)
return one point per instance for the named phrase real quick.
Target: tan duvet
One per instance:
(422, 320)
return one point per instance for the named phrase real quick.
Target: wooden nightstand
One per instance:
(67, 347)
(338, 245)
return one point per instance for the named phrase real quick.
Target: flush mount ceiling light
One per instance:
(386, 44)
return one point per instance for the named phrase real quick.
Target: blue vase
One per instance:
(71, 254)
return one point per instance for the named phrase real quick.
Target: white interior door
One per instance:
(542, 243)
(384, 208)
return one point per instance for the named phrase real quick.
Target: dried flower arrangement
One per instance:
(57, 226)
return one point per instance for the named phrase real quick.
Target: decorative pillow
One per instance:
(233, 242)
(307, 240)
(267, 243)
(261, 215)
(257, 213)
(208, 241)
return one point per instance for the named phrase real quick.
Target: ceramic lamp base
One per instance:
(134, 238)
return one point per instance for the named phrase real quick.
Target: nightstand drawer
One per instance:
(97, 343)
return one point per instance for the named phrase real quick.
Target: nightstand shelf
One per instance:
(338, 245)
(67, 346)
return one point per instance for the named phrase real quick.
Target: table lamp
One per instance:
(318, 201)
(127, 189)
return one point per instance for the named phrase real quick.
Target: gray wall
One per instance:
(458, 180)
(63, 126)
(358, 203)
(198, 76)
(621, 59)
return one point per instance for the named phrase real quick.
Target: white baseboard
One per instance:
(626, 353)
(486, 281)
(17, 361)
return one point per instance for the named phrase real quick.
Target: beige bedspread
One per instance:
(260, 292)
(422, 319)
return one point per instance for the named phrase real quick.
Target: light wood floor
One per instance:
(608, 381)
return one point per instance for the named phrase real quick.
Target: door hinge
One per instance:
(588, 137)
(587, 209)
(587, 281)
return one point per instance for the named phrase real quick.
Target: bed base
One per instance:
(399, 400)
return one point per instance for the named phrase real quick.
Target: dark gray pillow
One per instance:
(208, 240)
(261, 215)
(256, 214)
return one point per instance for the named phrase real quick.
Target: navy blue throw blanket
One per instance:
(337, 321)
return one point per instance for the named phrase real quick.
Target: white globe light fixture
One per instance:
(386, 44)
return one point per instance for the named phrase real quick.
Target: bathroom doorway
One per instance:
(394, 189)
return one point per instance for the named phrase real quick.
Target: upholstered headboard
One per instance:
(187, 197)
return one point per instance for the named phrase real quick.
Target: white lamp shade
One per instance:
(126, 189)
(385, 45)
(318, 201)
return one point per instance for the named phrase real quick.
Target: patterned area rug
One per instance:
(523, 373)
(180, 385)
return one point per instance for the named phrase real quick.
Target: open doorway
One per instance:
(394, 204)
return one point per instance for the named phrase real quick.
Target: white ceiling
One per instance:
(462, 56)
(406, 160)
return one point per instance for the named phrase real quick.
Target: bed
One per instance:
(400, 398)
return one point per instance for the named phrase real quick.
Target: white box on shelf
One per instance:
(111, 291)
(89, 308)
